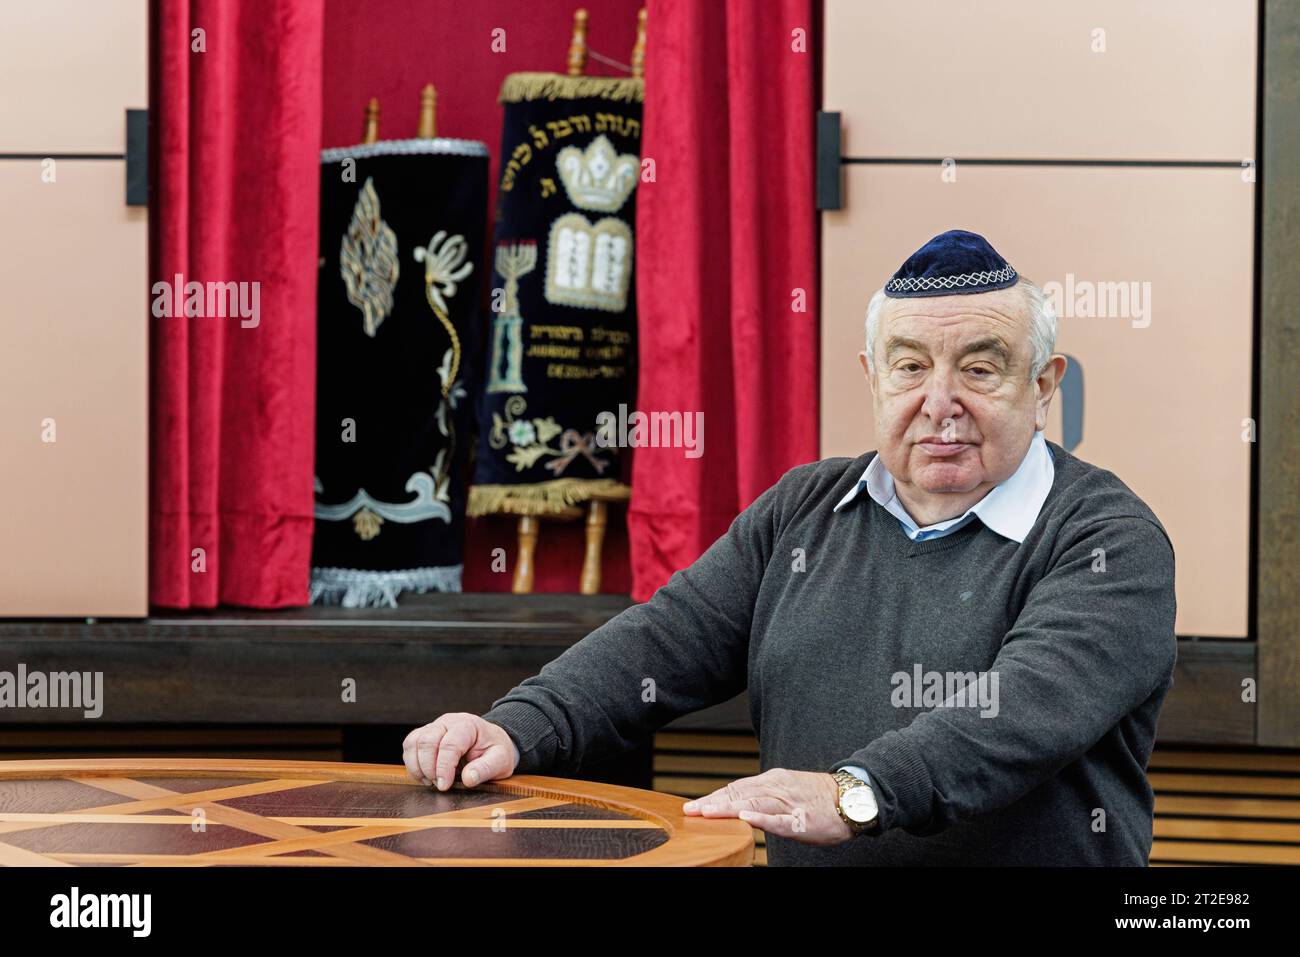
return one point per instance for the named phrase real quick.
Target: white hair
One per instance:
(1042, 324)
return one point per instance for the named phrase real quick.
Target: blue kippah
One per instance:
(952, 263)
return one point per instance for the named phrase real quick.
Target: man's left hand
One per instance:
(801, 805)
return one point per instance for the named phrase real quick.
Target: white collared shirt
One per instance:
(1010, 508)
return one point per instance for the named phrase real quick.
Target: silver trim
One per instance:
(358, 588)
(951, 282)
(441, 146)
(423, 507)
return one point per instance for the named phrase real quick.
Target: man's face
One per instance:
(954, 403)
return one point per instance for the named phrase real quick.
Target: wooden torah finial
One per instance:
(428, 113)
(638, 51)
(578, 44)
(529, 526)
(371, 134)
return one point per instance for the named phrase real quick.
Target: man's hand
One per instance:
(802, 805)
(432, 753)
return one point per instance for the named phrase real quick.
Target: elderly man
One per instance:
(956, 648)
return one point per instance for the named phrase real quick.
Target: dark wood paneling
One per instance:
(1278, 565)
(94, 740)
(1205, 704)
(438, 653)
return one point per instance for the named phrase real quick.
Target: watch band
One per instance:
(847, 781)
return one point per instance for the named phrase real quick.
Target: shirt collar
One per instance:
(1010, 508)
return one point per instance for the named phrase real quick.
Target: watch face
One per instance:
(859, 804)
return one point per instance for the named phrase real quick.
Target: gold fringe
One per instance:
(556, 499)
(518, 87)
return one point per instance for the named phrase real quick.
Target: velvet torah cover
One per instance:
(401, 240)
(559, 345)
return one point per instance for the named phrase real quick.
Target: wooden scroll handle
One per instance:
(529, 526)
(371, 134)
(577, 62)
(428, 113)
(638, 51)
(597, 516)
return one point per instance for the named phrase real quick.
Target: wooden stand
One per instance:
(529, 527)
(597, 517)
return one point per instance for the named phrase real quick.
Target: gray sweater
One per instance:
(849, 637)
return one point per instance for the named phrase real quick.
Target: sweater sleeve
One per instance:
(1089, 646)
(683, 650)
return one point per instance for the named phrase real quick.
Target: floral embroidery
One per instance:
(522, 432)
(444, 265)
(530, 439)
(368, 260)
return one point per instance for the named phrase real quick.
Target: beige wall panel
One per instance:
(73, 348)
(1164, 404)
(68, 71)
(1018, 78)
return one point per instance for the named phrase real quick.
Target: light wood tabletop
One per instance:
(192, 812)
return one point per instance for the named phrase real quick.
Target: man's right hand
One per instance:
(433, 752)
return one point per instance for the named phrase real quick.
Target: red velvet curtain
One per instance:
(236, 113)
(726, 240)
(727, 246)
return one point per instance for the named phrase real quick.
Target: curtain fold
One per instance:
(727, 275)
(236, 116)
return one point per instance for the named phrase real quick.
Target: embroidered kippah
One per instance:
(950, 264)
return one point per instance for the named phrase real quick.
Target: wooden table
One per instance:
(196, 812)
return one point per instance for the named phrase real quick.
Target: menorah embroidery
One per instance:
(589, 266)
(513, 260)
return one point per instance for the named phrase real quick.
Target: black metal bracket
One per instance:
(829, 184)
(137, 157)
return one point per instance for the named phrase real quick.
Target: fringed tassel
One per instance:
(356, 588)
(556, 498)
(518, 87)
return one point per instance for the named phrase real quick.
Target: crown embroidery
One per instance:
(597, 178)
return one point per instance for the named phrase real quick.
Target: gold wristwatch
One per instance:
(857, 802)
